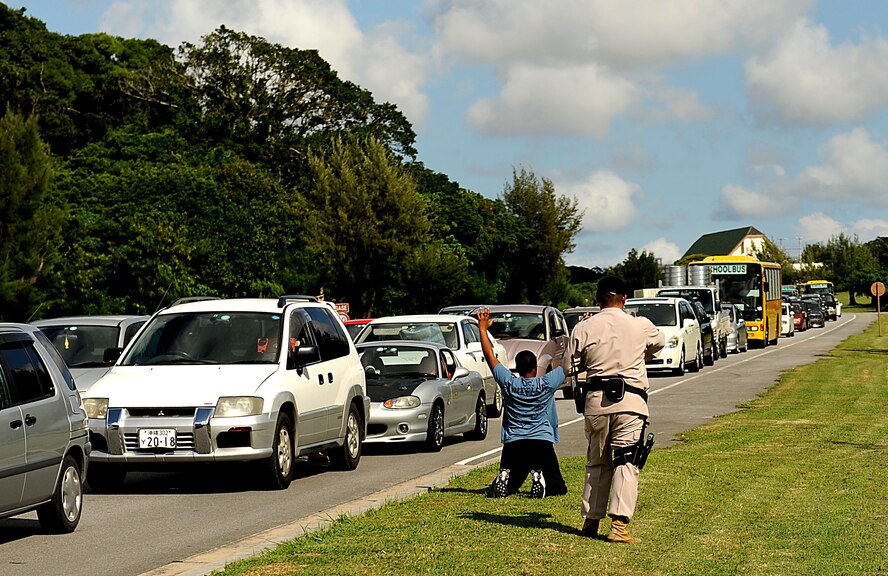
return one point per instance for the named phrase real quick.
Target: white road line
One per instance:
(685, 381)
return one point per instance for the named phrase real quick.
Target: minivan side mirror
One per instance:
(688, 322)
(302, 356)
(473, 347)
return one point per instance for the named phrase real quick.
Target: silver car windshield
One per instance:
(82, 346)
(438, 332)
(525, 325)
(208, 338)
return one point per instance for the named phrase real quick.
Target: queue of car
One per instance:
(266, 381)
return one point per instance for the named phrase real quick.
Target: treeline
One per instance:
(134, 173)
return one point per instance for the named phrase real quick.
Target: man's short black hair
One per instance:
(612, 286)
(525, 362)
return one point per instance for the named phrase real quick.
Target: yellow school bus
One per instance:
(754, 287)
(816, 287)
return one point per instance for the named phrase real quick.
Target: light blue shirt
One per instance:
(529, 405)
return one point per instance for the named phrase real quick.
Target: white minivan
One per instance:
(255, 380)
(676, 320)
(787, 325)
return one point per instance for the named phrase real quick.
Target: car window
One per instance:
(332, 340)
(659, 314)
(438, 332)
(82, 345)
(57, 358)
(5, 397)
(449, 362)
(26, 373)
(131, 331)
(471, 332)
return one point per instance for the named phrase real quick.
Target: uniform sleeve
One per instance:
(655, 339)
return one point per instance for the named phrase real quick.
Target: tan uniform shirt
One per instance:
(613, 343)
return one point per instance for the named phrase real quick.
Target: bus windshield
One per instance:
(741, 285)
(817, 287)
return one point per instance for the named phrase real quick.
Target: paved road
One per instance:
(158, 519)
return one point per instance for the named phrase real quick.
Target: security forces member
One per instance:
(611, 347)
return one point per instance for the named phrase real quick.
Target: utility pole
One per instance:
(799, 238)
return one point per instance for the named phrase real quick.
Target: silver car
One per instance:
(420, 393)
(44, 445)
(737, 337)
(90, 344)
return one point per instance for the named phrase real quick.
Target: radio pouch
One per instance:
(614, 388)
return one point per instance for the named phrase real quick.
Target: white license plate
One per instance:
(157, 438)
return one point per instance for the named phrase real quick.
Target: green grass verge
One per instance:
(795, 483)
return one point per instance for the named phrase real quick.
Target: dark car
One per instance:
(707, 335)
(830, 306)
(816, 316)
(573, 316)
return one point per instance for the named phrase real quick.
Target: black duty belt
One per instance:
(613, 387)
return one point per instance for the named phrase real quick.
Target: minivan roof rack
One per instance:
(188, 299)
(285, 299)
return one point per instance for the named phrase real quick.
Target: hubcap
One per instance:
(284, 453)
(498, 398)
(481, 415)
(72, 494)
(353, 436)
(439, 428)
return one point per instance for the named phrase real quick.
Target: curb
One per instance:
(218, 558)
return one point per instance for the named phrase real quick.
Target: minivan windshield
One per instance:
(208, 338)
(658, 314)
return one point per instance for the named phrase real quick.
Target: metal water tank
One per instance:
(699, 275)
(676, 276)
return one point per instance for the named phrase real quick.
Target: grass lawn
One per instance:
(796, 483)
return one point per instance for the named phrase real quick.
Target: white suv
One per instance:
(231, 380)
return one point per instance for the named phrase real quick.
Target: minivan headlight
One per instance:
(96, 408)
(233, 406)
(672, 342)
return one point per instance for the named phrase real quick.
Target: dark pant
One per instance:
(522, 456)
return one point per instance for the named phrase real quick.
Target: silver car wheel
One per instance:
(72, 493)
(352, 435)
(285, 451)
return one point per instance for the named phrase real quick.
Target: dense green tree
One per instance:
(29, 218)
(366, 221)
(638, 270)
(844, 261)
(545, 225)
(270, 103)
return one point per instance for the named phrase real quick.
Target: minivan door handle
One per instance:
(30, 420)
(330, 377)
(15, 424)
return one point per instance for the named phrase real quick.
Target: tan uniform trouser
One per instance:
(604, 433)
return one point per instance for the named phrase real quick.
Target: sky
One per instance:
(665, 120)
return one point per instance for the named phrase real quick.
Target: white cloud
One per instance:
(818, 227)
(377, 61)
(739, 202)
(574, 66)
(855, 168)
(606, 200)
(869, 228)
(537, 100)
(663, 249)
(806, 80)
(613, 32)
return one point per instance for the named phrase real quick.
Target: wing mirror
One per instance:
(473, 347)
(460, 372)
(302, 356)
(110, 355)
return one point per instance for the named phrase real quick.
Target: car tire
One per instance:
(710, 359)
(348, 455)
(698, 360)
(102, 477)
(62, 514)
(495, 410)
(278, 468)
(680, 369)
(723, 348)
(435, 436)
(481, 423)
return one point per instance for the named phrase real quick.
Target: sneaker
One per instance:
(538, 487)
(499, 488)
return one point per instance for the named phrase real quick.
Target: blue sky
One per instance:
(665, 120)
